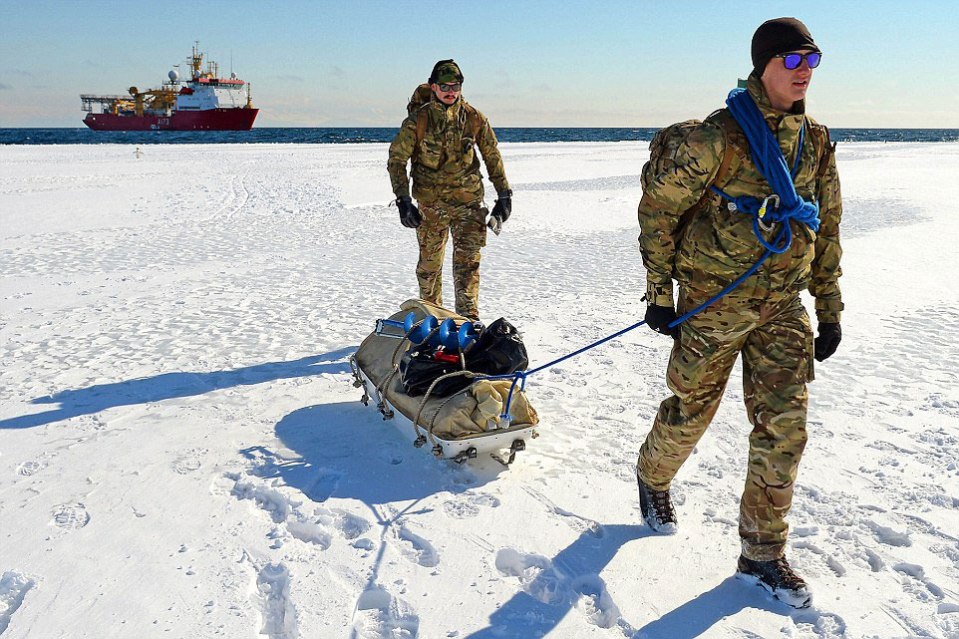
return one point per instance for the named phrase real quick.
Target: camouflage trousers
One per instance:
(467, 224)
(776, 342)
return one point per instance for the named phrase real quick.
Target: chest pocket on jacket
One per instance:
(430, 152)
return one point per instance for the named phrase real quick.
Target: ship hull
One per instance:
(208, 120)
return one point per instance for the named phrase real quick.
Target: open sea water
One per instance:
(83, 135)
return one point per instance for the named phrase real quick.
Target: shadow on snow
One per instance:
(576, 575)
(348, 451)
(86, 401)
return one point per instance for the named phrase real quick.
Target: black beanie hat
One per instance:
(780, 35)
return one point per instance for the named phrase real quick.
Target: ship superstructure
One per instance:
(203, 102)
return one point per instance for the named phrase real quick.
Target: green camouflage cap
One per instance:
(446, 71)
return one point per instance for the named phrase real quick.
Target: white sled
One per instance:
(457, 427)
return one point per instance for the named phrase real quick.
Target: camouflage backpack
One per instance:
(666, 143)
(662, 157)
(422, 96)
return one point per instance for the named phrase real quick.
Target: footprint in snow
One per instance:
(317, 528)
(70, 516)
(265, 496)
(460, 509)
(415, 548)
(543, 581)
(277, 614)
(916, 584)
(350, 526)
(873, 559)
(597, 606)
(823, 624)
(838, 568)
(189, 462)
(889, 536)
(310, 530)
(536, 574)
(28, 468)
(380, 615)
(391, 455)
(323, 485)
(463, 507)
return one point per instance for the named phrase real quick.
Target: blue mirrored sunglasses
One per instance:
(794, 60)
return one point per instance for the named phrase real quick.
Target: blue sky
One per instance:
(634, 64)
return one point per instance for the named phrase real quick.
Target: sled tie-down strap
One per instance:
(429, 431)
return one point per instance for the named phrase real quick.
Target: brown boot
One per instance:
(657, 508)
(777, 577)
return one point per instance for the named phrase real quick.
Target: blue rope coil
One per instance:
(769, 159)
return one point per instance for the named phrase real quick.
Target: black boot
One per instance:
(778, 578)
(657, 508)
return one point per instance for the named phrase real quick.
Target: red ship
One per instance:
(206, 102)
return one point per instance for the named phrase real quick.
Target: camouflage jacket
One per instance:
(718, 245)
(445, 168)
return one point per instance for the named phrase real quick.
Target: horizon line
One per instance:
(541, 128)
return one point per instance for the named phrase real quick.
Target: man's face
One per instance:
(785, 86)
(447, 93)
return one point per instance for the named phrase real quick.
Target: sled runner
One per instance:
(465, 417)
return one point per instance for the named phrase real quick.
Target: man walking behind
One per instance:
(763, 318)
(440, 137)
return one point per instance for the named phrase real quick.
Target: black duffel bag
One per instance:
(499, 350)
(422, 365)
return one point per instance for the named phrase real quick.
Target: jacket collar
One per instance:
(758, 92)
(792, 119)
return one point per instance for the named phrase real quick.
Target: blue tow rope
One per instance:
(786, 206)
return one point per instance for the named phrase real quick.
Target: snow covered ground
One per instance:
(182, 453)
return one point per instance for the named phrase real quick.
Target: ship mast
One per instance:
(196, 62)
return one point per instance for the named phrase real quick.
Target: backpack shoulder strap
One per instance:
(825, 147)
(725, 121)
(422, 95)
(474, 118)
(422, 117)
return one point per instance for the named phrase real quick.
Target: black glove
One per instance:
(830, 334)
(658, 319)
(503, 206)
(409, 214)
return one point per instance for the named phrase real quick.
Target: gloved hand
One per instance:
(503, 206)
(409, 215)
(830, 334)
(658, 319)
